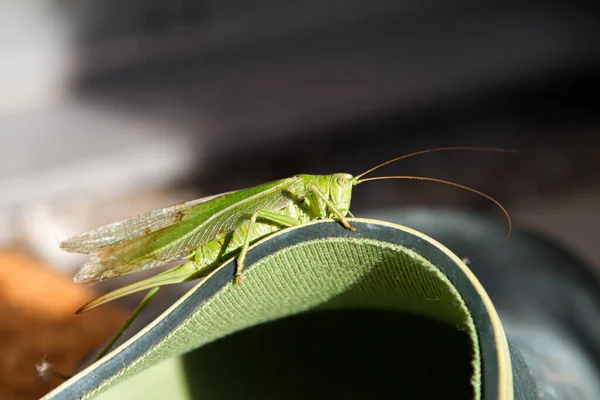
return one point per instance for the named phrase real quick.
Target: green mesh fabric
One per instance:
(325, 274)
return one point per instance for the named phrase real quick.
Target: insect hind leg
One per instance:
(127, 323)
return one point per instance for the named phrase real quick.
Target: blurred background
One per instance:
(109, 109)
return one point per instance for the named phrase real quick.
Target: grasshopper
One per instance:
(210, 231)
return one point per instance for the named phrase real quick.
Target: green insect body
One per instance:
(210, 233)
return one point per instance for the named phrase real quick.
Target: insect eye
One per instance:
(341, 180)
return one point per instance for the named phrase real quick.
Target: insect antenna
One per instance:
(454, 148)
(490, 198)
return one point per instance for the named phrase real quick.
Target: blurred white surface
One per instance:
(36, 54)
(79, 149)
(74, 155)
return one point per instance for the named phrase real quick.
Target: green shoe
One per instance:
(323, 312)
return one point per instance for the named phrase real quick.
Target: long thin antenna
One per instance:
(461, 148)
(423, 178)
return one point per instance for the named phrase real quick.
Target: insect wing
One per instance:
(198, 225)
(131, 228)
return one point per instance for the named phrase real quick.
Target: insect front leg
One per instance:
(279, 219)
(331, 206)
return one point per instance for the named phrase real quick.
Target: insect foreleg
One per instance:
(280, 219)
(331, 206)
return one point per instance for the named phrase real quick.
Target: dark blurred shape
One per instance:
(276, 88)
(280, 72)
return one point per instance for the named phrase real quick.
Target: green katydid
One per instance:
(210, 231)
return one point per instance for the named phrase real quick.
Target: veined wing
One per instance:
(198, 225)
(131, 228)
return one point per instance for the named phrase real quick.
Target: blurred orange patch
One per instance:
(37, 319)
